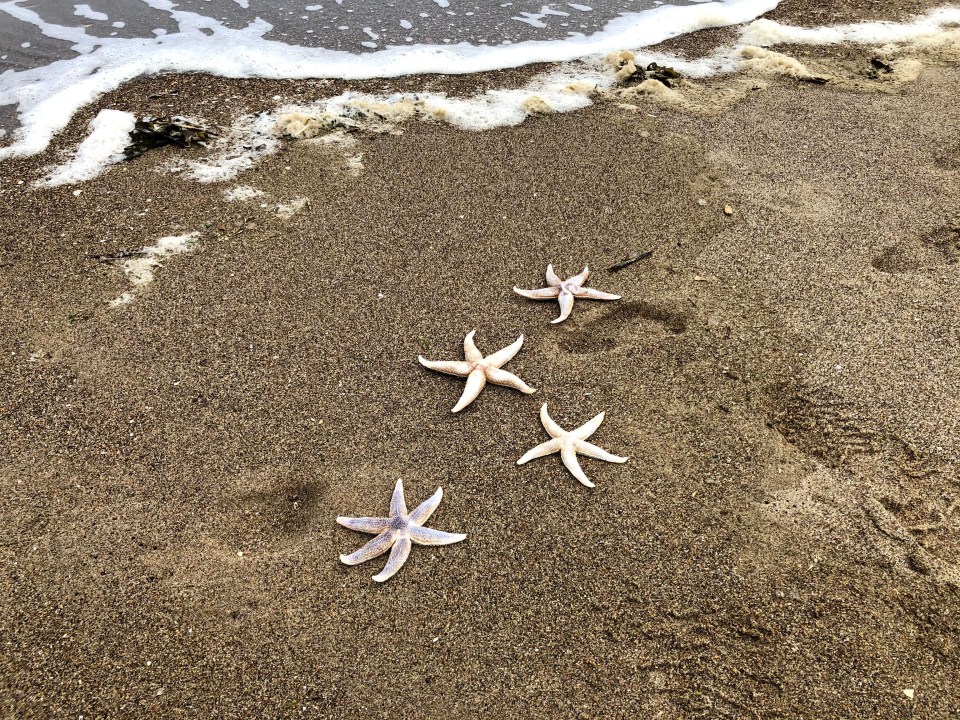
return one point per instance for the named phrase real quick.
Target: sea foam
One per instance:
(49, 96)
(109, 136)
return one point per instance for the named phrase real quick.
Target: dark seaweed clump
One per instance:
(151, 133)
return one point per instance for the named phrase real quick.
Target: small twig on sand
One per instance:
(119, 255)
(631, 260)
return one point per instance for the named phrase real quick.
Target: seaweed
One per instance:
(877, 68)
(653, 71)
(151, 133)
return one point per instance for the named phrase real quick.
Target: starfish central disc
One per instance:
(568, 444)
(397, 533)
(565, 291)
(478, 370)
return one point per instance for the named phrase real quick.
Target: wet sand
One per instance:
(784, 541)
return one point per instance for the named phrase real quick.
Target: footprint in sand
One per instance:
(934, 249)
(602, 333)
(949, 158)
(910, 546)
(921, 535)
(286, 508)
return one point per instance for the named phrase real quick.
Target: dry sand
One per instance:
(784, 542)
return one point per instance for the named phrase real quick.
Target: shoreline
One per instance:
(156, 95)
(783, 542)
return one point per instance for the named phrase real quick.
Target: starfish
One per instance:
(565, 291)
(397, 532)
(568, 444)
(478, 369)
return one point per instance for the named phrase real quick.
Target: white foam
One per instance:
(242, 193)
(49, 96)
(85, 11)
(287, 210)
(562, 90)
(109, 136)
(122, 299)
(536, 19)
(767, 32)
(250, 139)
(140, 270)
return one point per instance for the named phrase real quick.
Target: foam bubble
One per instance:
(250, 139)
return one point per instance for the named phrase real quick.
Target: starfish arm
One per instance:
(550, 446)
(581, 278)
(569, 457)
(450, 367)
(591, 450)
(502, 377)
(424, 510)
(547, 293)
(552, 277)
(398, 505)
(593, 294)
(470, 351)
(475, 382)
(502, 357)
(398, 556)
(549, 424)
(376, 547)
(429, 536)
(566, 305)
(588, 428)
(365, 524)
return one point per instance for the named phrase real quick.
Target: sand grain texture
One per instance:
(784, 542)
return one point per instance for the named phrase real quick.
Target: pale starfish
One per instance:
(398, 532)
(478, 369)
(565, 291)
(568, 444)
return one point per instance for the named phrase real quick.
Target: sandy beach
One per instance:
(782, 371)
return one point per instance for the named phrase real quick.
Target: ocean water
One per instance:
(57, 56)
(350, 25)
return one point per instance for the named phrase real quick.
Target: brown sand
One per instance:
(785, 381)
